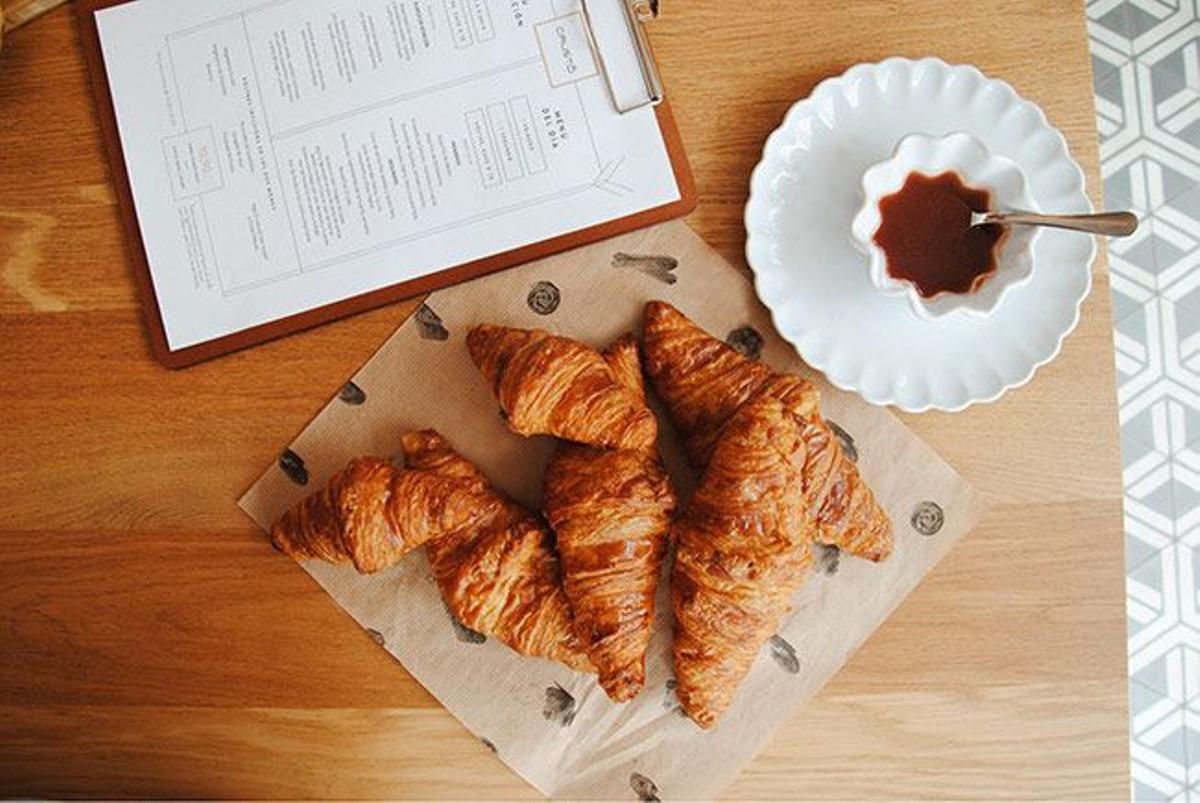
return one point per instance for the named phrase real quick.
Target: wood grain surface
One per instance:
(152, 644)
(18, 12)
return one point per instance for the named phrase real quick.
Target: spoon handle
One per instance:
(1110, 224)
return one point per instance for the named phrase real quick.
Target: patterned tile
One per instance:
(1146, 69)
(1158, 746)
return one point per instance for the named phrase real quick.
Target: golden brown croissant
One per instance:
(841, 506)
(703, 382)
(499, 576)
(549, 385)
(611, 512)
(373, 513)
(742, 551)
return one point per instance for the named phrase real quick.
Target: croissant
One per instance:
(842, 508)
(611, 512)
(703, 382)
(549, 385)
(498, 576)
(742, 551)
(372, 513)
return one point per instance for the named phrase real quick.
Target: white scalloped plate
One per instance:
(807, 189)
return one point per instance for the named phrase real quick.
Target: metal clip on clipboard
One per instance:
(636, 13)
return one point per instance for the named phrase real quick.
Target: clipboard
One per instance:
(638, 12)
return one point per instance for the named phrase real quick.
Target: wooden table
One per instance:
(152, 644)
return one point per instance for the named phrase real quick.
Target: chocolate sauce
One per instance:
(927, 236)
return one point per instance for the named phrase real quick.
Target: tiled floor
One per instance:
(1147, 74)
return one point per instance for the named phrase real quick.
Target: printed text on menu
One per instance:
(285, 155)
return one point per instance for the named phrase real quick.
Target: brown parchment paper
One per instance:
(554, 727)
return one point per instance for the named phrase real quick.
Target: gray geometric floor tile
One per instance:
(1152, 499)
(1173, 747)
(1115, 88)
(1186, 204)
(1161, 253)
(1103, 72)
(1193, 437)
(1190, 134)
(1179, 312)
(1159, 744)
(1194, 668)
(1140, 252)
(1143, 181)
(1175, 248)
(1167, 120)
(1129, 296)
(1146, 77)
(1153, 677)
(1116, 21)
(1118, 189)
(1144, 436)
(1139, 550)
(1150, 708)
(1191, 678)
(1167, 76)
(1158, 777)
(1181, 334)
(1140, 20)
(1151, 530)
(1139, 352)
(1192, 748)
(1141, 324)
(1188, 546)
(1176, 184)
(1179, 58)
(1149, 610)
(1142, 792)
(1163, 674)
(1185, 491)
(1145, 432)
(1165, 427)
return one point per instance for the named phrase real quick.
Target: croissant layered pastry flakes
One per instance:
(742, 550)
(372, 513)
(611, 511)
(550, 385)
(500, 575)
(703, 382)
(579, 587)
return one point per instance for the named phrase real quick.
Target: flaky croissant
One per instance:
(372, 513)
(703, 382)
(841, 506)
(611, 512)
(550, 385)
(742, 550)
(498, 576)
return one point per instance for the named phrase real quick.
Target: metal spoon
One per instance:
(1109, 224)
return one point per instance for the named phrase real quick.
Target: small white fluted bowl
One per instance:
(978, 168)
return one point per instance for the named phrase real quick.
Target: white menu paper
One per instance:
(288, 154)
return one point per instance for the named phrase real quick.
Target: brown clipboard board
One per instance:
(181, 358)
